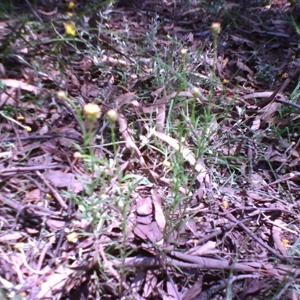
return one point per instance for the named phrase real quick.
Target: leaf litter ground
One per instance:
(208, 210)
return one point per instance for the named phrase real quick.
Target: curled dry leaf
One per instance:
(185, 151)
(276, 234)
(203, 179)
(144, 206)
(268, 111)
(158, 211)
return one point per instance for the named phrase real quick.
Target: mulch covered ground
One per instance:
(116, 228)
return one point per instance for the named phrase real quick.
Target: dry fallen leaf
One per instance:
(158, 211)
(64, 180)
(194, 291)
(150, 283)
(33, 195)
(151, 232)
(54, 283)
(6, 237)
(20, 84)
(144, 206)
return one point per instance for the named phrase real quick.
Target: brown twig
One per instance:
(56, 195)
(40, 211)
(40, 137)
(263, 244)
(33, 11)
(280, 89)
(18, 170)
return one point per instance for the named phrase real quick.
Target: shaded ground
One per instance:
(192, 194)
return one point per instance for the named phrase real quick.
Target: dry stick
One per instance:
(245, 228)
(283, 291)
(207, 295)
(8, 94)
(295, 105)
(41, 211)
(212, 263)
(260, 210)
(289, 155)
(224, 228)
(44, 252)
(59, 243)
(270, 33)
(41, 137)
(37, 272)
(204, 263)
(123, 125)
(280, 89)
(108, 264)
(276, 231)
(33, 11)
(220, 285)
(12, 171)
(56, 195)
(36, 183)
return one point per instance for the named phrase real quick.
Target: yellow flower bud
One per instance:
(183, 52)
(77, 154)
(216, 28)
(92, 112)
(112, 115)
(166, 164)
(71, 5)
(61, 95)
(196, 92)
(19, 245)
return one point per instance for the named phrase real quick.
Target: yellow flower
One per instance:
(72, 237)
(225, 204)
(71, 5)
(92, 112)
(70, 28)
(285, 243)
